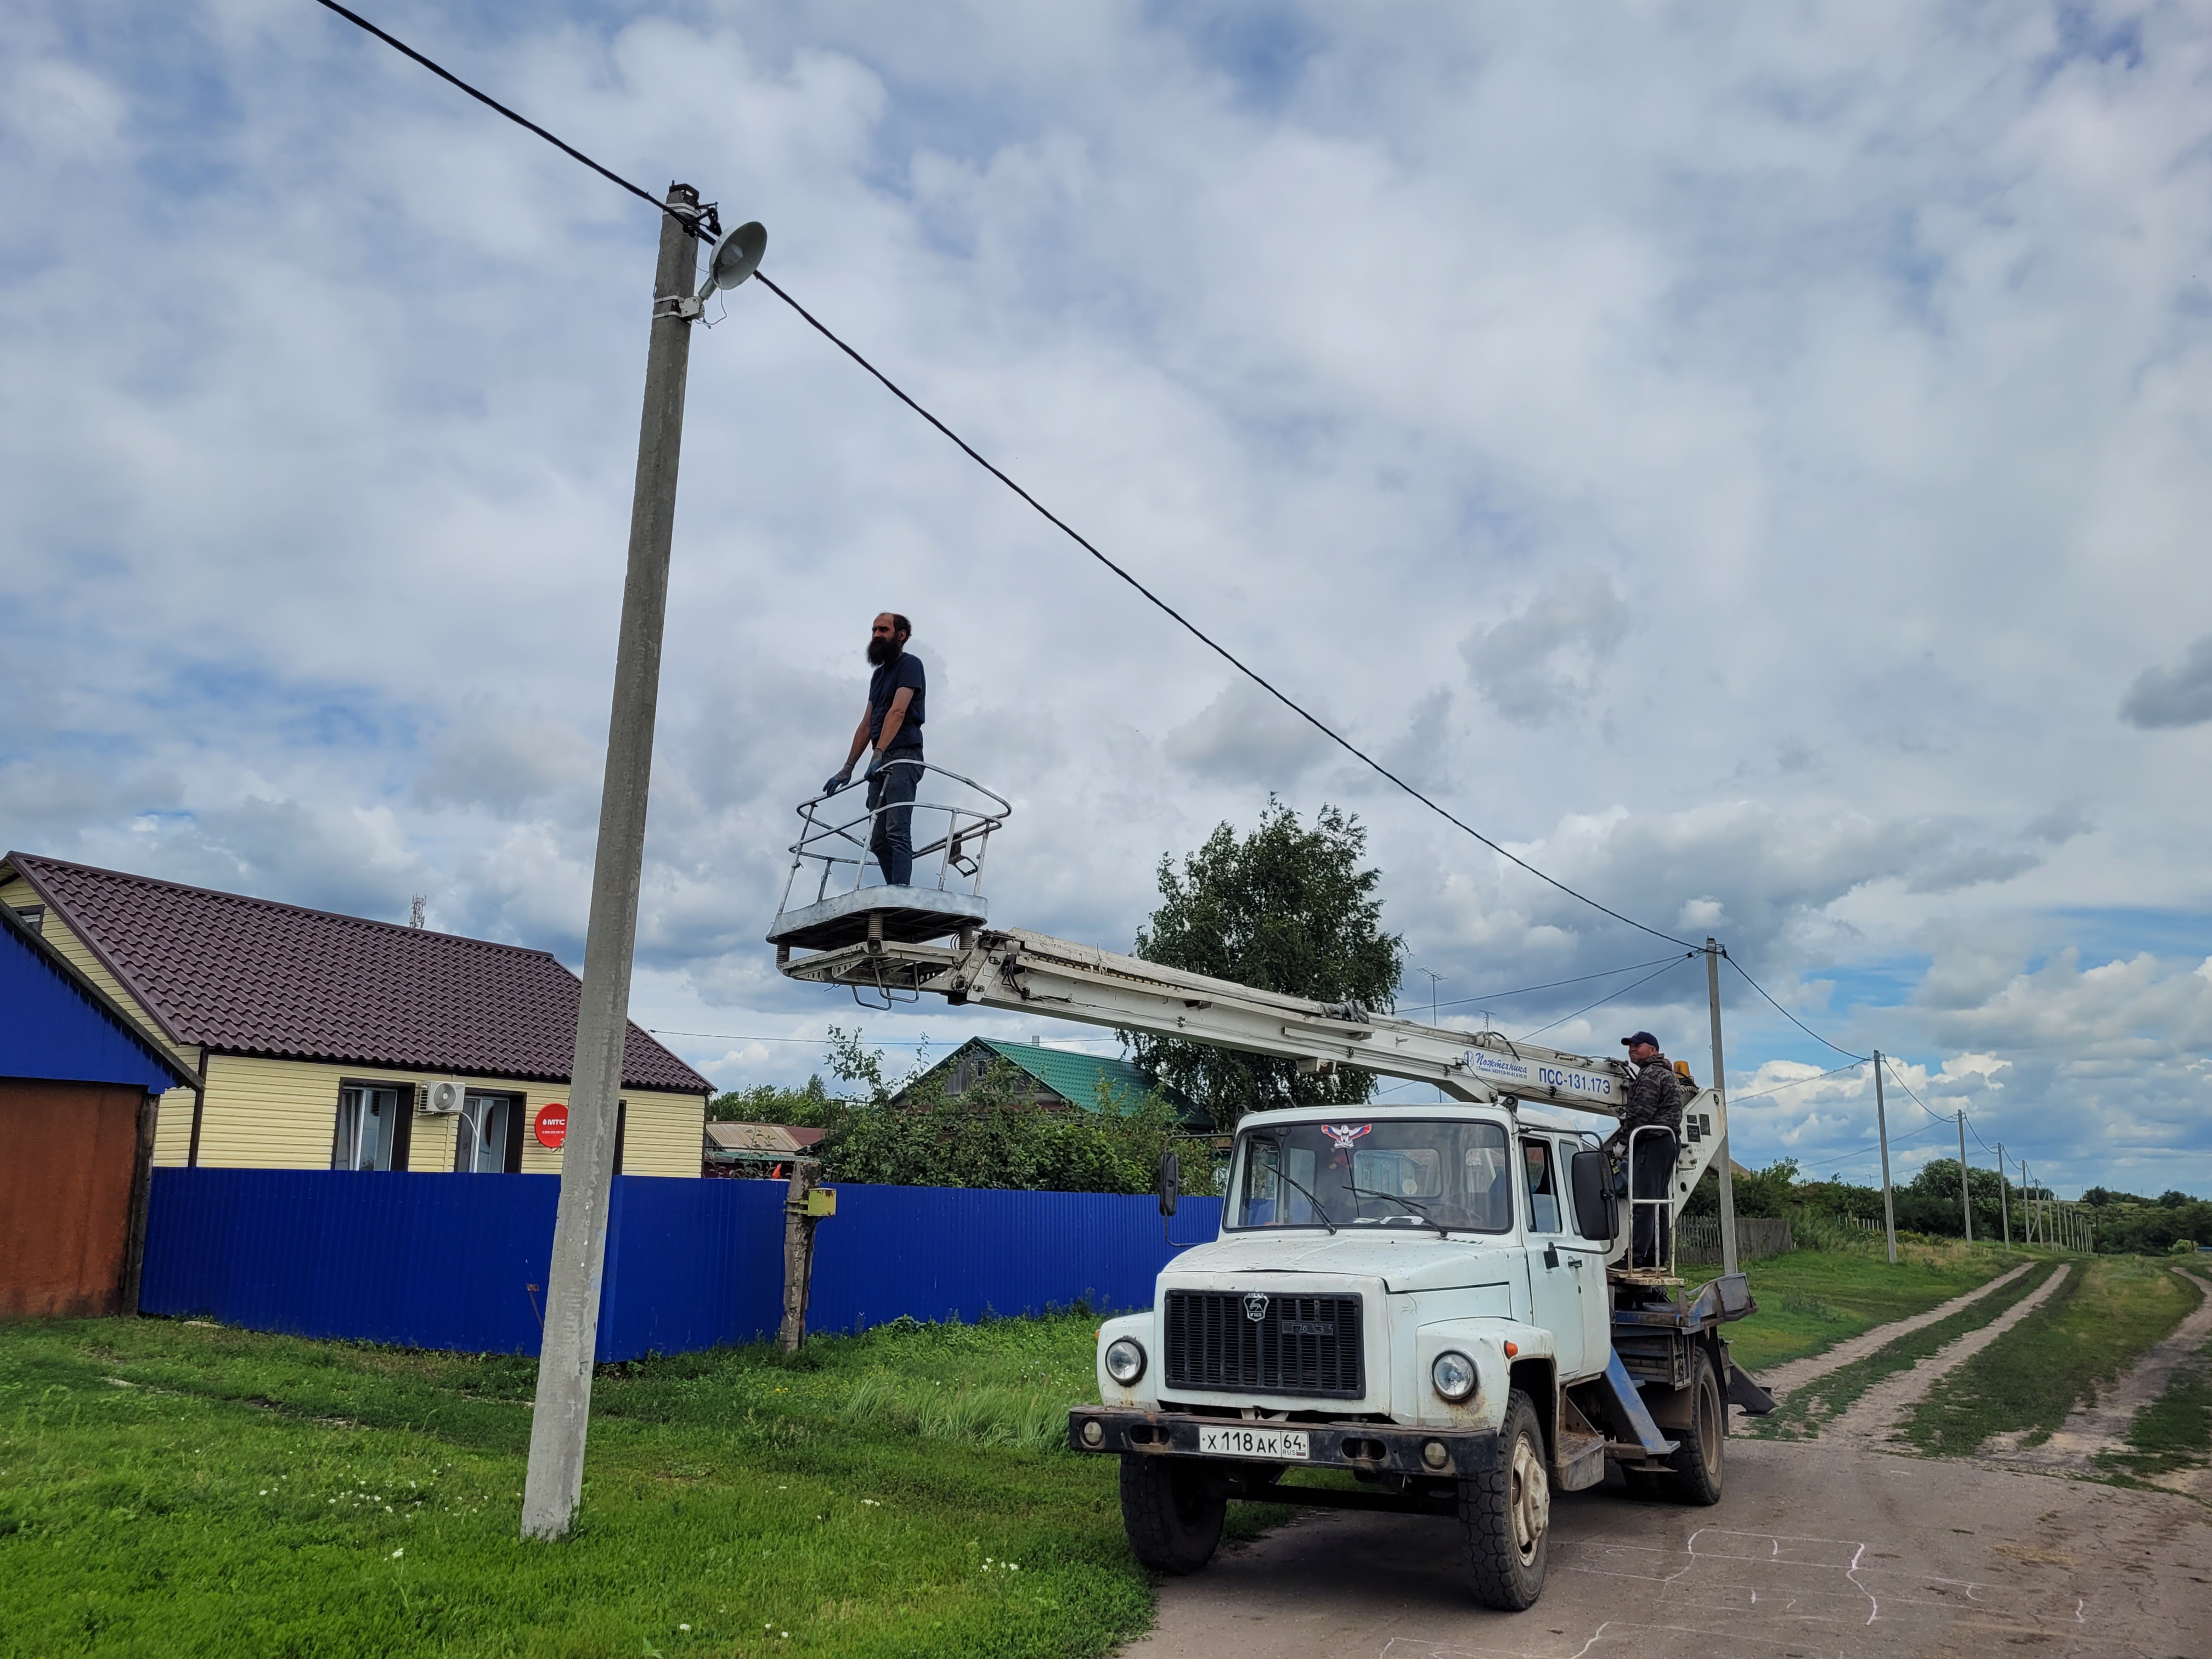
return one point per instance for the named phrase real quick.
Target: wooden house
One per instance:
(314, 1041)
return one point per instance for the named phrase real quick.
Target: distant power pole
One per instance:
(2004, 1206)
(1435, 980)
(1881, 1133)
(1720, 1088)
(555, 1480)
(1965, 1192)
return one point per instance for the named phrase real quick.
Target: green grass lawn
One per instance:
(2098, 1322)
(1810, 1300)
(179, 1489)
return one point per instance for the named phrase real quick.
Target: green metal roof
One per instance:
(1075, 1076)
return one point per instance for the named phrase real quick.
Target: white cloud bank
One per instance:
(1738, 459)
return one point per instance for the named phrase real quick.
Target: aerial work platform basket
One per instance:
(830, 904)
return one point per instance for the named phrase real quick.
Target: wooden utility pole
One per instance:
(802, 1209)
(1881, 1133)
(1965, 1192)
(555, 1480)
(2004, 1204)
(1720, 1089)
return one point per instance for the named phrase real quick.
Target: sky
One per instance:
(1750, 461)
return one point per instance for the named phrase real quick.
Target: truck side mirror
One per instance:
(1171, 1183)
(1595, 1214)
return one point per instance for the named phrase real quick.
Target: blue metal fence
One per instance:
(459, 1261)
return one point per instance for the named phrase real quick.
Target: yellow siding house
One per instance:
(317, 1039)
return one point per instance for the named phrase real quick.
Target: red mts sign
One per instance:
(552, 1125)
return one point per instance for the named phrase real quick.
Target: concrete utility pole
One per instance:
(556, 1477)
(1435, 980)
(2004, 1204)
(1881, 1133)
(1965, 1192)
(1720, 1089)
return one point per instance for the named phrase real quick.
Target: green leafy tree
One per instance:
(990, 1134)
(1288, 908)
(768, 1102)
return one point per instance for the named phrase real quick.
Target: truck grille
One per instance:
(1300, 1345)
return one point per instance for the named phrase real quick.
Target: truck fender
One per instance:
(1484, 1342)
(1145, 1394)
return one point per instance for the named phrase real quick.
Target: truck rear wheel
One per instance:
(1699, 1463)
(1172, 1508)
(1507, 1513)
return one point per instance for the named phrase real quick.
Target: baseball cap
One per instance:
(1635, 1037)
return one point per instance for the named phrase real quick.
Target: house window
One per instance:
(371, 1132)
(488, 1140)
(33, 916)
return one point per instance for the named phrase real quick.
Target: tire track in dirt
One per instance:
(1796, 1373)
(2100, 1424)
(1876, 1414)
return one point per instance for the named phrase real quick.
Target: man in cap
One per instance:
(890, 727)
(1655, 1105)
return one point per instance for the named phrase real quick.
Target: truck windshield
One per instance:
(1410, 1173)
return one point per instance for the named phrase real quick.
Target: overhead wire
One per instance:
(1796, 1083)
(1785, 1013)
(692, 227)
(1550, 985)
(1673, 964)
(1050, 517)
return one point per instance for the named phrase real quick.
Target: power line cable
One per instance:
(1796, 1083)
(1200, 634)
(1552, 985)
(1050, 517)
(486, 99)
(1785, 1013)
(1890, 1067)
(1676, 963)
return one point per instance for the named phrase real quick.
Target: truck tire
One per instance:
(1698, 1464)
(1507, 1513)
(1172, 1508)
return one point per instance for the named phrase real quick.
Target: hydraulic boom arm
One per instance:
(1037, 974)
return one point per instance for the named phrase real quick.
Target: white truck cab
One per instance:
(1419, 1295)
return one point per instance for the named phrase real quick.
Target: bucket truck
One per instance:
(1437, 1299)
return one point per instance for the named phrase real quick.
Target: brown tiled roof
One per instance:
(248, 977)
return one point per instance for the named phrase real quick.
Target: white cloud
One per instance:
(1790, 423)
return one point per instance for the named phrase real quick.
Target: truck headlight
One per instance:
(1125, 1361)
(1453, 1375)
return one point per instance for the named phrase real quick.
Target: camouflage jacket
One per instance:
(1654, 1097)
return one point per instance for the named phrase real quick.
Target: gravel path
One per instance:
(2100, 1424)
(1797, 1373)
(1875, 1414)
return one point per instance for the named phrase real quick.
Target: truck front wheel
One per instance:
(1172, 1510)
(1507, 1513)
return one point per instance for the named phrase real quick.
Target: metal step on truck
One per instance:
(1436, 1300)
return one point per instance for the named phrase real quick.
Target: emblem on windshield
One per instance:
(1256, 1306)
(1344, 1133)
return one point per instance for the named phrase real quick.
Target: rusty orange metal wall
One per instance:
(65, 1187)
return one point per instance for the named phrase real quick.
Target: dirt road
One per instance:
(1818, 1548)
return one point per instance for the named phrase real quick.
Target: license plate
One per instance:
(1279, 1445)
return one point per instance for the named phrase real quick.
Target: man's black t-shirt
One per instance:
(903, 670)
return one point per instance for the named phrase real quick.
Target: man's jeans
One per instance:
(892, 787)
(1655, 1151)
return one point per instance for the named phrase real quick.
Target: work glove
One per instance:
(837, 781)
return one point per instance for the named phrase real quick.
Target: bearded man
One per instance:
(891, 730)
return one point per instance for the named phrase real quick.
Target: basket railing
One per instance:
(835, 841)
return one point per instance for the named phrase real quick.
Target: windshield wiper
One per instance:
(1420, 1210)
(1309, 1199)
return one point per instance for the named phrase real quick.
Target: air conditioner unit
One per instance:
(445, 1097)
